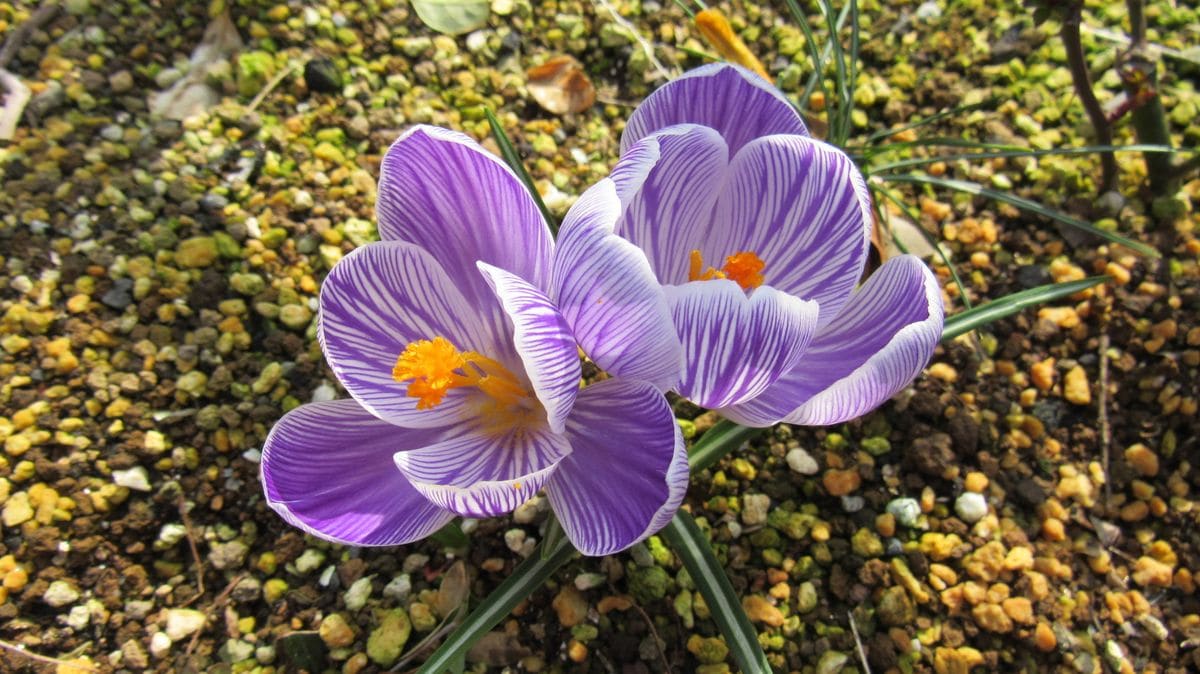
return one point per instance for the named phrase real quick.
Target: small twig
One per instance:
(270, 86)
(191, 539)
(862, 653)
(62, 664)
(1102, 403)
(18, 36)
(217, 603)
(658, 641)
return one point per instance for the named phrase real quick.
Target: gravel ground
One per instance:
(1026, 506)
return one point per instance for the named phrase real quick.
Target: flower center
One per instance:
(433, 366)
(744, 268)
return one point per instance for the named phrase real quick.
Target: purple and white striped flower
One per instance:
(465, 378)
(758, 235)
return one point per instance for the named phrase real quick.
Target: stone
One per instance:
(800, 461)
(570, 606)
(321, 75)
(832, 662)
(135, 478)
(759, 610)
(197, 252)
(335, 631)
(754, 509)
(356, 597)
(160, 645)
(183, 622)
(60, 593)
(17, 510)
(970, 507)
(1076, 388)
(228, 555)
(895, 607)
(906, 511)
(386, 642)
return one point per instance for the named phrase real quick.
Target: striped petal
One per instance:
(669, 215)
(627, 472)
(442, 191)
(327, 469)
(377, 300)
(543, 340)
(802, 206)
(609, 296)
(738, 104)
(736, 346)
(880, 342)
(482, 470)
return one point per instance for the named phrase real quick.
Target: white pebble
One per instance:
(905, 510)
(160, 645)
(358, 594)
(60, 593)
(802, 462)
(135, 478)
(183, 622)
(971, 507)
(399, 587)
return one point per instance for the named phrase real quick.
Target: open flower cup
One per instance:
(451, 336)
(757, 236)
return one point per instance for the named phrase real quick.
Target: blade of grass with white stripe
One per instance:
(524, 581)
(1007, 306)
(817, 80)
(693, 547)
(1023, 204)
(724, 437)
(509, 153)
(917, 123)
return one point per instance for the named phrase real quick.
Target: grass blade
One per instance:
(916, 220)
(1011, 304)
(1023, 204)
(451, 536)
(724, 437)
(970, 107)
(814, 55)
(1000, 154)
(526, 579)
(686, 539)
(509, 153)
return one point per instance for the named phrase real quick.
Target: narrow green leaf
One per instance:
(509, 153)
(526, 579)
(451, 536)
(453, 17)
(724, 437)
(916, 220)
(917, 123)
(1023, 204)
(817, 80)
(694, 549)
(1011, 304)
(552, 539)
(1091, 149)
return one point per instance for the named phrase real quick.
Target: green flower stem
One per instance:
(706, 571)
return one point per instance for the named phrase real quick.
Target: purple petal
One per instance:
(736, 346)
(442, 191)
(608, 294)
(627, 472)
(670, 215)
(543, 340)
(802, 206)
(635, 164)
(740, 105)
(327, 469)
(486, 469)
(880, 342)
(377, 300)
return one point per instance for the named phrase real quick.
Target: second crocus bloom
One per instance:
(757, 235)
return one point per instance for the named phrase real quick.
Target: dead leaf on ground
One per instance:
(454, 590)
(560, 86)
(497, 649)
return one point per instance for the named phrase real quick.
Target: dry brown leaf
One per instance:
(560, 86)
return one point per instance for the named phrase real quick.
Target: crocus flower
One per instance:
(465, 378)
(758, 235)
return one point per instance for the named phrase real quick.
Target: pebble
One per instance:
(1075, 387)
(356, 597)
(387, 641)
(160, 645)
(335, 631)
(399, 587)
(970, 507)
(309, 560)
(800, 461)
(197, 252)
(1142, 459)
(228, 555)
(570, 606)
(907, 511)
(135, 478)
(832, 662)
(183, 622)
(754, 509)
(841, 482)
(1148, 571)
(759, 610)
(60, 593)
(17, 510)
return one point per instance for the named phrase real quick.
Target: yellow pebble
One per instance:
(975, 482)
(1075, 387)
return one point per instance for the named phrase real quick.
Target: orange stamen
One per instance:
(745, 268)
(434, 366)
